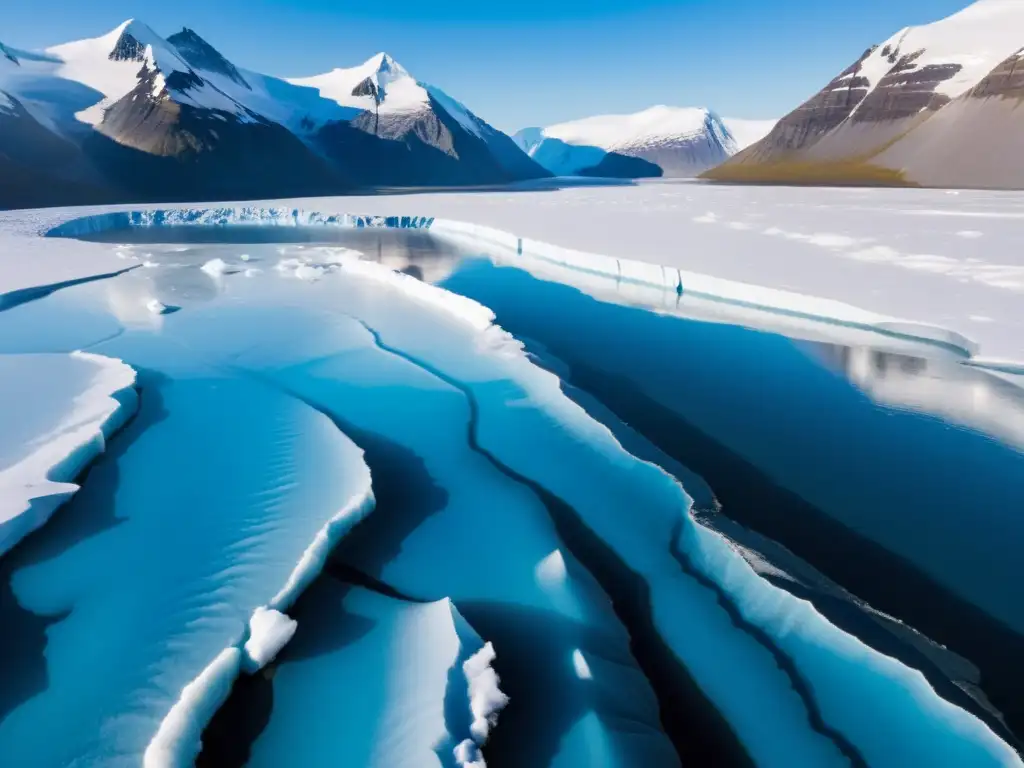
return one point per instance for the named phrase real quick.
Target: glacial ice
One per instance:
(426, 383)
(188, 562)
(407, 418)
(219, 267)
(269, 632)
(485, 697)
(519, 406)
(59, 412)
(177, 739)
(396, 688)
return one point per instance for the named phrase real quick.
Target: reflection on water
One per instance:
(940, 386)
(186, 266)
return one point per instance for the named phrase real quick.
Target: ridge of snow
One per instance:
(978, 38)
(88, 62)
(300, 104)
(652, 126)
(400, 91)
(177, 741)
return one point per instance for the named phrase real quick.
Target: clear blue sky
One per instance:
(527, 62)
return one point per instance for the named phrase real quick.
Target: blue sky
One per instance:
(528, 62)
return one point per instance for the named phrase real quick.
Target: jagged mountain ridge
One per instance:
(170, 119)
(424, 133)
(934, 105)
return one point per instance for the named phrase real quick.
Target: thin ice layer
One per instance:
(59, 411)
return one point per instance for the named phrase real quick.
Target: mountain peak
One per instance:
(203, 56)
(384, 64)
(128, 41)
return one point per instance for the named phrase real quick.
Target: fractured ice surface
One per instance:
(496, 491)
(202, 512)
(392, 684)
(415, 427)
(59, 412)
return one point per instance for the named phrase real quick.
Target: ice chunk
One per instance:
(219, 267)
(485, 697)
(468, 755)
(59, 411)
(403, 671)
(579, 663)
(269, 632)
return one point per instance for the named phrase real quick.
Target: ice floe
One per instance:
(59, 411)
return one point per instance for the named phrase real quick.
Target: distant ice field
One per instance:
(953, 259)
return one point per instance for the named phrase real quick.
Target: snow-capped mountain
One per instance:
(933, 105)
(164, 119)
(406, 132)
(660, 141)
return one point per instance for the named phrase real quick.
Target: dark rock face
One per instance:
(203, 56)
(1005, 81)
(127, 48)
(907, 91)
(155, 144)
(368, 87)
(159, 148)
(38, 168)
(427, 147)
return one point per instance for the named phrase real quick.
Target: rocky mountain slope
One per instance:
(935, 105)
(133, 116)
(660, 141)
(410, 133)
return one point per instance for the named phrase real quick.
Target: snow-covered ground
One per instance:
(949, 259)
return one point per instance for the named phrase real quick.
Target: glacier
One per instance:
(454, 468)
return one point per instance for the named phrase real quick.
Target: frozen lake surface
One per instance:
(663, 526)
